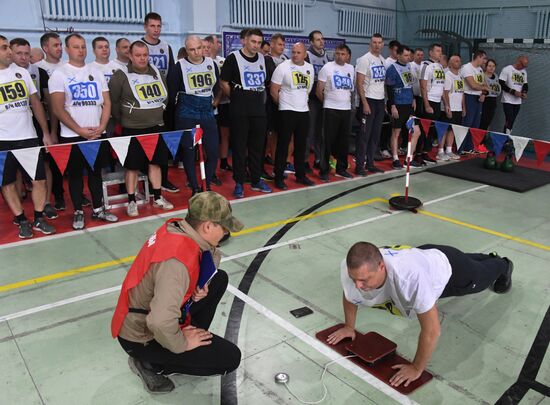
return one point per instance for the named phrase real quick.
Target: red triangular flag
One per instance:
(425, 124)
(541, 150)
(478, 135)
(197, 135)
(60, 154)
(149, 144)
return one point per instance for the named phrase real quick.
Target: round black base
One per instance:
(400, 203)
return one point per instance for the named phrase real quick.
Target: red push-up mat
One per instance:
(379, 359)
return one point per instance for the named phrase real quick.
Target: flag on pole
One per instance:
(197, 135)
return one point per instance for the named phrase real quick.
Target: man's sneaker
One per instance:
(344, 174)
(415, 164)
(361, 172)
(50, 211)
(323, 177)
(163, 203)
(504, 282)
(305, 181)
(25, 229)
(266, 176)
(104, 215)
(85, 201)
(428, 160)
(385, 154)
(78, 220)
(132, 209)
(281, 185)
(15, 221)
(215, 181)
(41, 225)
(261, 186)
(396, 164)
(169, 187)
(154, 383)
(59, 204)
(374, 169)
(452, 156)
(238, 192)
(290, 168)
(442, 157)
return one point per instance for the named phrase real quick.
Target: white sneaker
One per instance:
(442, 157)
(132, 209)
(163, 203)
(385, 154)
(453, 156)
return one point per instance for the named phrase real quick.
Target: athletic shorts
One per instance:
(12, 165)
(405, 111)
(136, 158)
(223, 118)
(455, 119)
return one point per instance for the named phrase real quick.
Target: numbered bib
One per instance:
(458, 86)
(200, 80)
(254, 79)
(439, 75)
(342, 82)
(407, 78)
(478, 77)
(300, 81)
(378, 72)
(518, 79)
(13, 92)
(84, 91)
(150, 91)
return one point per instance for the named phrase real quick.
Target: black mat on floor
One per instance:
(521, 179)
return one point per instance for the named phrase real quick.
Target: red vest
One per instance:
(161, 246)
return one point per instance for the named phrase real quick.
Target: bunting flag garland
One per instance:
(519, 145)
(60, 154)
(441, 129)
(172, 140)
(460, 134)
(410, 123)
(498, 140)
(120, 145)
(478, 135)
(149, 144)
(3, 156)
(197, 135)
(90, 149)
(541, 150)
(425, 124)
(28, 158)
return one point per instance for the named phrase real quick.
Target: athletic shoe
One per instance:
(78, 220)
(15, 221)
(396, 164)
(374, 169)
(154, 383)
(428, 160)
(85, 201)
(385, 154)
(238, 192)
(261, 186)
(50, 211)
(163, 203)
(481, 149)
(281, 185)
(25, 229)
(104, 215)
(226, 166)
(59, 204)
(504, 282)
(132, 209)
(307, 169)
(180, 165)
(305, 181)
(216, 181)
(344, 174)
(415, 164)
(361, 172)
(41, 225)
(452, 156)
(169, 187)
(323, 177)
(442, 157)
(266, 176)
(290, 168)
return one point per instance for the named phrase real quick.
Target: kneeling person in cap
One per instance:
(162, 316)
(408, 281)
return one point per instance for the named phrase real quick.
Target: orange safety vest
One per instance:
(161, 246)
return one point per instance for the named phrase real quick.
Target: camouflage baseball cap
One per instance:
(211, 206)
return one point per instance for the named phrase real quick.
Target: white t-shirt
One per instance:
(338, 85)
(454, 84)
(416, 68)
(16, 86)
(468, 70)
(296, 83)
(375, 75)
(107, 69)
(434, 74)
(49, 67)
(120, 65)
(83, 88)
(415, 280)
(515, 79)
(389, 61)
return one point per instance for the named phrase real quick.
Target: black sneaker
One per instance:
(59, 204)
(226, 166)
(154, 383)
(504, 282)
(396, 164)
(169, 187)
(344, 174)
(50, 212)
(25, 229)
(374, 169)
(281, 185)
(415, 163)
(15, 221)
(216, 181)
(307, 169)
(85, 202)
(41, 225)
(196, 191)
(361, 172)
(266, 176)
(428, 159)
(323, 177)
(305, 181)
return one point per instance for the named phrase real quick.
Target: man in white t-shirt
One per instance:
(18, 95)
(408, 282)
(80, 99)
(513, 80)
(475, 89)
(453, 96)
(51, 45)
(371, 75)
(416, 66)
(335, 88)
(37, 54)
(122, 48)
(102, 52)
(291, 84)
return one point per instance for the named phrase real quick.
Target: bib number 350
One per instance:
(84, 91)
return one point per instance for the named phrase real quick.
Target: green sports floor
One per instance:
(57, 296)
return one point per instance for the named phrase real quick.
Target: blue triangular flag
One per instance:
(441, 129)
(90, 149)
(410, 123)
(172, 140)
(3, 156)
(498, 141)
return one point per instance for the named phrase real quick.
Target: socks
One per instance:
(440, 150)
(21, 217)
(38, 215)
(132, 197)
(449, 149)
(395, 157)
(156, 193)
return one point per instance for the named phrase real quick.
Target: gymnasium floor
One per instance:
(55, 342)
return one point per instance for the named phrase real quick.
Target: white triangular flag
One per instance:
(120, 145)
(460, 134)
(28, 158)
(520, 143)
